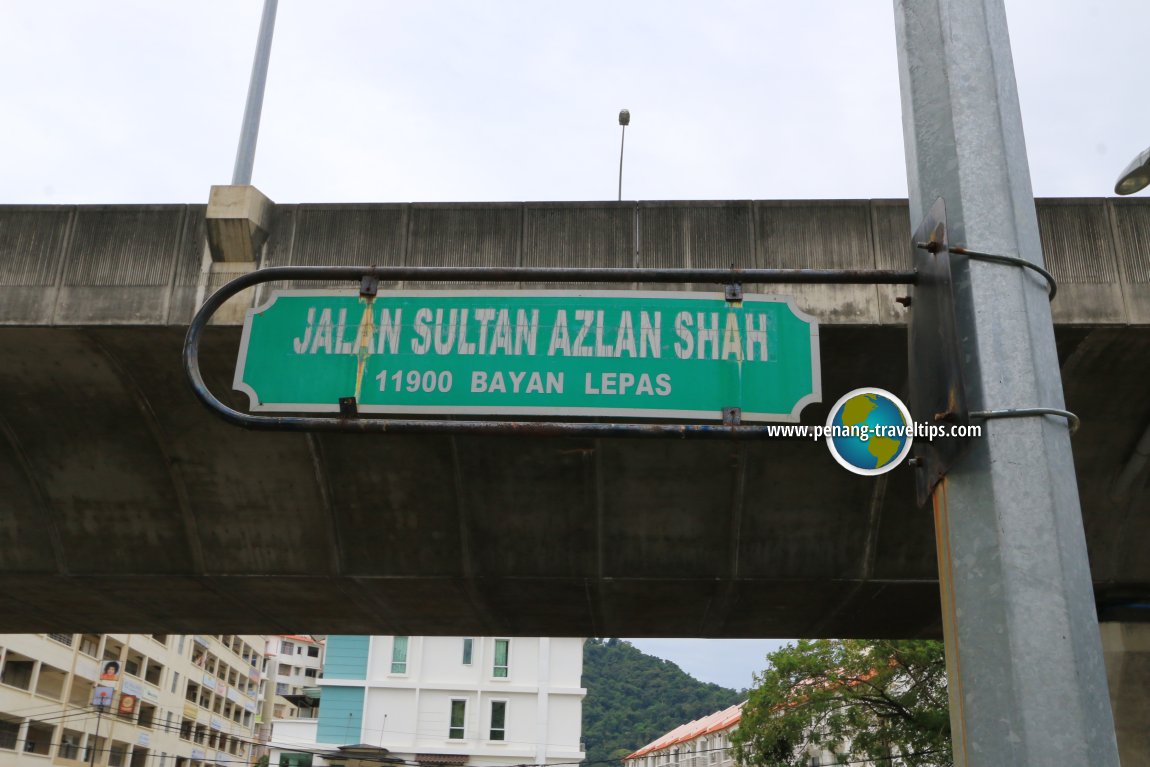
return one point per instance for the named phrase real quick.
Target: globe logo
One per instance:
(869, 431)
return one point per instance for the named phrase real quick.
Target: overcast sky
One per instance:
(140, 101)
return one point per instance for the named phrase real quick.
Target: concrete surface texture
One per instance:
(127, 506)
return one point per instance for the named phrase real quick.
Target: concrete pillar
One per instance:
(1126, 647)
(238, 219)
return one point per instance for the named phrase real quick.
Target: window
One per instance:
(287, 648)
(112, 649)
(288, 759)
(313, 652)
(153, 672)
(69, 745)
(399, 658)
(50, 682)
(81, 692)
(17, 671)
(502, 651)
(458, 716)
(498, 720)
(64, 639)
(93, 746)
(90, 645)
(9, 731)
(39, 738)
(117, 753)
(468, 644)
(147, 715)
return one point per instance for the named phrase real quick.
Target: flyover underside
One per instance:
(128, 507)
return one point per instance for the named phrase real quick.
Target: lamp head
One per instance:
(624, 117)
(1136, 177)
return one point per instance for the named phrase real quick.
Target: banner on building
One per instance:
(102, 696)
(127, 704)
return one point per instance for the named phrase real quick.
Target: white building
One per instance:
(295, 663)
(442, 701)
(168, 701)
(705, 742)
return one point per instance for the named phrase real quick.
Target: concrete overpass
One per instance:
(126, 506)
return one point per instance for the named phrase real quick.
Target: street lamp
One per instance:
(624, 120)
(1135, 178)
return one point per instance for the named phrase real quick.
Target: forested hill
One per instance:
(632, 698)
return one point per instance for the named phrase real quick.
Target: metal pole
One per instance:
(622, 140)
(95, 738)
(1026, 677)
(624, 121)
(249, 132)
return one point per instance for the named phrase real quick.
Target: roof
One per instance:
(452, 759)
(720, 720)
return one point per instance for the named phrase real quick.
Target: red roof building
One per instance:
(705, 742)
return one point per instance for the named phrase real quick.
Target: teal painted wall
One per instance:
(345, 658)
(340, 715)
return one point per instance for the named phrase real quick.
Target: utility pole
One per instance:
(96, 735)
(1026, 677)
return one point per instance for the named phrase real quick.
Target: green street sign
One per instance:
(610, 353)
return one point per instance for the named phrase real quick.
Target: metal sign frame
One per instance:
(369, 277)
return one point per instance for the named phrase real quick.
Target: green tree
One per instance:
(633, 698)
(861, 699)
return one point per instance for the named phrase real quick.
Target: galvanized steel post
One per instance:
(1027, 683)
(250, 130)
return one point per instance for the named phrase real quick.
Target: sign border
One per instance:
(584, 412)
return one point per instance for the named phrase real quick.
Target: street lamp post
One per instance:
(624, 120)
(246, 153)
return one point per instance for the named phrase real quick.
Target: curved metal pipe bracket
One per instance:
(1051, 283)
(369, 277)
(1072, 421)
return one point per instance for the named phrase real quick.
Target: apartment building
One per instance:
(704, 742)
(128, 700)
(295, 664)
(481, 701)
